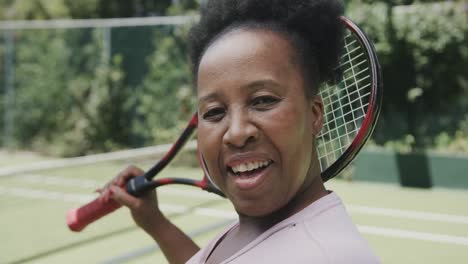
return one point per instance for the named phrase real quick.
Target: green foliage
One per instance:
(166, 100)
(49, 9)
(74, 95)
(101, 121)
(33, 9)
(438, 49)
(458, 143)
(424, 55)
(40, 103)
(70, 98)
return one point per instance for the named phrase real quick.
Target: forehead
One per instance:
(246, 55)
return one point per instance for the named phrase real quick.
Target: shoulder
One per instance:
(203, 253)
(321, 233)
(331, 229)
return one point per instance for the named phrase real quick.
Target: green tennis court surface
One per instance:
(402, 225)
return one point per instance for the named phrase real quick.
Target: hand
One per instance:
(144, 209)
(174, 243)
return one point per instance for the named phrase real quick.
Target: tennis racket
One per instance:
(351, 108)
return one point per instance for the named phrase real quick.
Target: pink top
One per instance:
(321, 233)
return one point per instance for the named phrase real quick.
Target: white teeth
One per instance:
(249, 166)
(243, 167)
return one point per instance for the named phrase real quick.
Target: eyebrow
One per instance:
(254, 86)
(260, 83)
(208, 97)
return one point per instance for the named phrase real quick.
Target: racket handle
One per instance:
(79, 218)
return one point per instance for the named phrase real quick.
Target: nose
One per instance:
(241, 130)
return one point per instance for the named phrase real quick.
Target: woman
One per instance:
(258, 66)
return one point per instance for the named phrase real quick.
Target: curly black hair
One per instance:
(313, 28)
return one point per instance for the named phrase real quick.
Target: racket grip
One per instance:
(79, 218)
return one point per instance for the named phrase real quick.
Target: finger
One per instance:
(130, 172)
(122, 178)
(107, 195)
(108, 184)
(123, 197)
(103, 195)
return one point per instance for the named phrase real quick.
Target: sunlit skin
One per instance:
(252, 107)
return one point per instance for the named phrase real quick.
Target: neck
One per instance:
(312, 190)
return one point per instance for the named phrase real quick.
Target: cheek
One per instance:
(292, 136)
(290, 127)
(208, 144)
(204, 140)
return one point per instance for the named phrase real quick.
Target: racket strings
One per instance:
(355, 82)
(356, 93)
(345, 102)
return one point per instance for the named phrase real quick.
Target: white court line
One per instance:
(85, 198)
(46, 195)
(75, 197)
(359, 209)
(421, 236)
(417, 215)
(227, 214)
(92, 184)
(129, 154)
(59, 181)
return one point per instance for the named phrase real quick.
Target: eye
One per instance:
(214, 114)
(264, 102)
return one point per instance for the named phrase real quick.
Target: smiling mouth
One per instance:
(250, 168)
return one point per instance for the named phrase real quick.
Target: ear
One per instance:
(317, 111)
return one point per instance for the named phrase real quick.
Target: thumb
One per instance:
(122, 197)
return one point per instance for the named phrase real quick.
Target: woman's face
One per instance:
(256, 125)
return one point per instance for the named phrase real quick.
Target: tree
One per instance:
(424, 55)
(166, 98)
(54, 9)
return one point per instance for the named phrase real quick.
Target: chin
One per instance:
(253, 213)
(255, 208)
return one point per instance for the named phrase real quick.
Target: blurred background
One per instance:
(92, 78)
